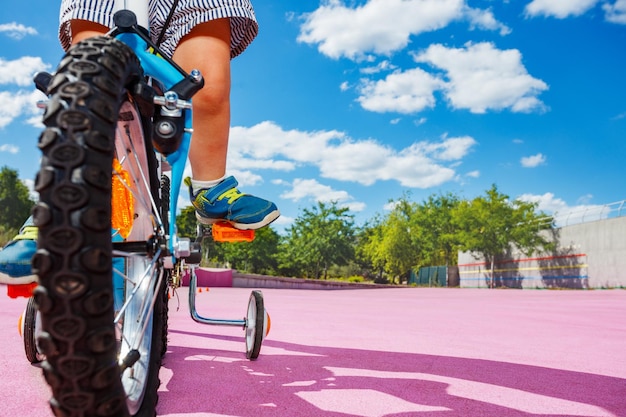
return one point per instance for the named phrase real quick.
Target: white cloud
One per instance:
(16, 30)
(616, 12)
(21, 103)
(482, 77)
(484, 19)
(367, 162)
(585, 199)
(9, 148)
(559, 8)
(36, 121)
(479, 77)
(546, 202)
(283, 221)
(268, 140)
(30, 184)
(251, 163)
(405, 92)
(420, 121)
(246, 178)
(312, 190)
(21, 71)
(453, 149)
(421, 165)
(384, 65)
(383, 26)
(533, 161)
(473, 174)
(562, 212)
(391, 205)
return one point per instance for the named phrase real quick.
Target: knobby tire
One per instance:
(75, 256)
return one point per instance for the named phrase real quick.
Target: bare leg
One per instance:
(207, 48)
(83, 29)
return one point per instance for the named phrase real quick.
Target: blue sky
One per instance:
(361, 101)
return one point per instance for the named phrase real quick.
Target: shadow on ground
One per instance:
(295, 380)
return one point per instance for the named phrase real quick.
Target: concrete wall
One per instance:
(589, 255)
(218, 277)
(262, 281)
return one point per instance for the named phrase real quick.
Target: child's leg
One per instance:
(83, 29)
(207, 48)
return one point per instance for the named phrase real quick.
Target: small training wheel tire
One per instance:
(29, 332)
(254, 325)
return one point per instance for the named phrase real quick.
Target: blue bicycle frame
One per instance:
(168, 75)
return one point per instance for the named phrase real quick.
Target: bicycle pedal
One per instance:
(225, 232)
(21, 290)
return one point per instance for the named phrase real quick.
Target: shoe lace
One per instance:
(27, 233)
(232, 195)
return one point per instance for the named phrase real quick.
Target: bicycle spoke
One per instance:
(137, 286)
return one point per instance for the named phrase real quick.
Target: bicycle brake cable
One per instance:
(170, 15)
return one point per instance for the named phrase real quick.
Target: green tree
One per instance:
(15, 201)
(258, 256)
(440, 238)
(491, 225)
(368, 251)
(402, 238)
(393, 244)
(186, 222)
(319, 238)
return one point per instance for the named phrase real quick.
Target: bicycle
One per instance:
(118, 127)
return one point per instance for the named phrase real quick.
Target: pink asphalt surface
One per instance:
(382, 352)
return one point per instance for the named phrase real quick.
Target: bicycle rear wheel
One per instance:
(29, 331)
(102, 294)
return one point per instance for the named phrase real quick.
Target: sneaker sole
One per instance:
(241, 226)
(9, 280)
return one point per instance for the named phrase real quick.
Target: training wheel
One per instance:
(257, 325)
(29, 324)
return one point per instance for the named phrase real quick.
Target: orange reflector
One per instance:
(21, 290)
(122, 208)
(224, 232)
(20, 324)
(268, 324)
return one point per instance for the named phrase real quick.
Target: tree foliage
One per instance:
(186, 222)
(435, 219)
(15, 201)
(319, 238)
(258, 256)
(492, 225)
(390, 246)
(394, 243)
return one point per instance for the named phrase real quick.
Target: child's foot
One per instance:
(224, 202)
(16, 255)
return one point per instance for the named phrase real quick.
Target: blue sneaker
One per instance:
(224, 202)
(16, 255)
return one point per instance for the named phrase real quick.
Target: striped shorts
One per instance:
(188, 13)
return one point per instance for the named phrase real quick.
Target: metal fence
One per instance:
(584, 214)
(436, 276)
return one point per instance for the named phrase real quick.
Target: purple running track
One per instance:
(379, 352)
